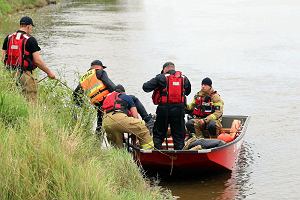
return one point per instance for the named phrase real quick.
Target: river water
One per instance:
(250, 49)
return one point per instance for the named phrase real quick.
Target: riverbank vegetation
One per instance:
(8, 6)
(49, 151)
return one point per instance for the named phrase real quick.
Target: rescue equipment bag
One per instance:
(173, 93)
(93, 87)
(113, 103)
(16, 54)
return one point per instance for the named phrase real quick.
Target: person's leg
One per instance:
(29, 87)
(212, 128)
(198, 128)
(190, 127)
(99, 121)
(137, 127)
(177, 125)
(112, 129)
(160, 126)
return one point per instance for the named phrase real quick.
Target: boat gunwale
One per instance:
(205, 151)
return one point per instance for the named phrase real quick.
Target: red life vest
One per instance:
(16, 55)
(113, 102)
(203, 107)
(173, 93)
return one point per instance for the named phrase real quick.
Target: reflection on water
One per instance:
(248, 47)
(219, 186)
(239, 184)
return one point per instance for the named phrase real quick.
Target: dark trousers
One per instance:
(99, 118)
(172, 115)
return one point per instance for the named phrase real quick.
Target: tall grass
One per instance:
(48, 153)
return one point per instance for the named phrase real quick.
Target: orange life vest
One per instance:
(93, 87)
(173, 93)
(16, 55)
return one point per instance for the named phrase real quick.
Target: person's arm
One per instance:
(3, 55)
(134, 112)
(218, 105)
(130, 105)
(77, 95)
(191, 105)
(33, 47)
(4, 49)
(154, 83)
(38, 61)
(187, 86)
(102, 75)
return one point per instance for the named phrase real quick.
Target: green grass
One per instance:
(8, 6)
(47, 153)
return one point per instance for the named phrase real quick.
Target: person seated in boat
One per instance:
(121, 116)
(207, 110)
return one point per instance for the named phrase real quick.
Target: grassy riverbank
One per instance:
(46, 153)
(8, 6)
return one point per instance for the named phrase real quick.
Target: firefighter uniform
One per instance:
(209, 107)
(117, 120)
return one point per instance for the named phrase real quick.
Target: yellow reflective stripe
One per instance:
(148, 145)
(219, 103)
(98, 86)
(87, 75)
(213, 116)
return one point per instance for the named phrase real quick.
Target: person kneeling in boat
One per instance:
(207, 111)
(121, 116)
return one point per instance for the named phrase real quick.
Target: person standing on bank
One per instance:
(170, 90)
(96, 85)
(20, 54)
(207, 110)
(121, 116)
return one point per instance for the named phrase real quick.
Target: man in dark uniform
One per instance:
(22, 61)
(170, 89)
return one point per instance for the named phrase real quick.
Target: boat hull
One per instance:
(219, 158)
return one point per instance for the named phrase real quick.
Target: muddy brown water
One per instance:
(249, 48)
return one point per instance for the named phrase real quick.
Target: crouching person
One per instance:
(121, 116)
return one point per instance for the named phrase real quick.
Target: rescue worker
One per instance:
(170, 90)
(121, 116)
(207, 111)
(96, 85)
(20, 54)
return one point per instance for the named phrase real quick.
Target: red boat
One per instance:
(218, 158)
